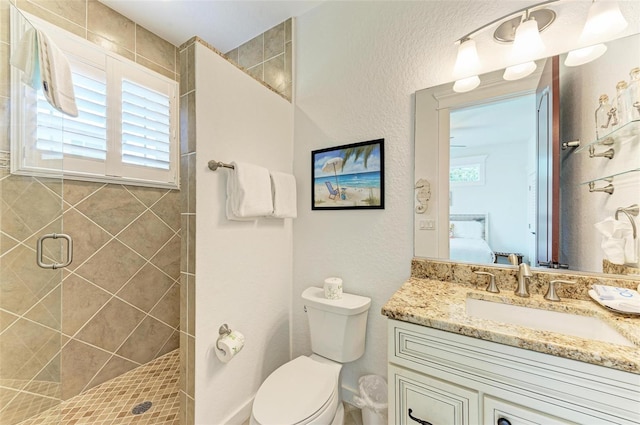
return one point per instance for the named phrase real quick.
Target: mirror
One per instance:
(498, 175)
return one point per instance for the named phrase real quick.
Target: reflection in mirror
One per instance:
(505, 186)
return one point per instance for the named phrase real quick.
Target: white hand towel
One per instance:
(283, 191)
(229, 210)
(249, 191)
(55, 72)
(618, 244)
(45, 67)
(25, 58)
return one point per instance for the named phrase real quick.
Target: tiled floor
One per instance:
(111, 403)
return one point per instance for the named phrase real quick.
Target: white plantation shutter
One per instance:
(146, 134)
(125, 131)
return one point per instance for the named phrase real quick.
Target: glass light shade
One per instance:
(467, 62)
(528, 44)
(466, 84)
(516, 72)
(604, 20)
(585, 55)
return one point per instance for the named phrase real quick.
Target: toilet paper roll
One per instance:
(229, 345)
(333, 288)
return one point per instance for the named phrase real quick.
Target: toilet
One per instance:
(305, 391)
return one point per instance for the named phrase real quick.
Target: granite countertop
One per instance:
(442, 305)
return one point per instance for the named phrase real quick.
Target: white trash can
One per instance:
(372, 400)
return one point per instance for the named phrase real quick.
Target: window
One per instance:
(467, 171)
(125, 131)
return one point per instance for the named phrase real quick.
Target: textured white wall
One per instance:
(243, 269)
(358, 65)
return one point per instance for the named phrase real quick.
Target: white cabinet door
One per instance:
(419, 399)
(499, 412)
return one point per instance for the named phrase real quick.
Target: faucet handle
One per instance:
(491, 287)
(551, 292)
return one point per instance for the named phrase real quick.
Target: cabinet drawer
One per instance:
(495, 410)
(430, 400)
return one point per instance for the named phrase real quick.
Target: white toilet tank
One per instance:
(337, 327)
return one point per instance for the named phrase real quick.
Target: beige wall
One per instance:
(117, 305)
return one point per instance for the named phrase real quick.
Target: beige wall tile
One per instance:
(168, 209)
(257, 72)
(116, 366)
(80, 362)
(48, 311)
(111, 267)
(5, 74)
(274, 41)
(4, 21)
(191, 61)
(251, 53)
(232, 55)
(172, 344)
(60, 20)
(111, 46)
(184, 357)
(147, 195)
(184, 297)
(288, 62)
(191, 243)
(274, 74)
(111, 325)
(167, 259)
(146, 288)
(184, 246)
(80, 301)
(184, 69)
(155, 49)
(88, 237)
(191, 367)
(111, 25)
(153, 333)
(167, 310)
(73, 10)
(288, 33)
(75, 191)
(112, 207)
(191, 194)
(141, 60)
(146, 235)
(191, 306)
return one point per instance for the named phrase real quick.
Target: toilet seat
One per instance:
(298, 392)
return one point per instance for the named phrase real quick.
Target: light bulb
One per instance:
(585, 55)
(603, 21)
(467, 62)
(466, 84)
(516, 72)
(528, 44)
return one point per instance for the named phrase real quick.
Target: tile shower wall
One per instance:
(188, 209)
(118, 304)
(268, 58)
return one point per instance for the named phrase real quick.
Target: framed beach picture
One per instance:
(348, 176)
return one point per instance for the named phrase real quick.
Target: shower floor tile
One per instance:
(111, 403)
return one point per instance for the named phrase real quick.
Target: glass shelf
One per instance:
(610, 177)
(620, 135)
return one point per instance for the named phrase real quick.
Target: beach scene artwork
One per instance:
(349, 176)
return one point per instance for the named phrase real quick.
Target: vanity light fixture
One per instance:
(603, 21)
(522, 28)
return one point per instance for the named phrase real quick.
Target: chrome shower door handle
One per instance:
(40, 253)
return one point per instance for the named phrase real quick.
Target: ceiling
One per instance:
(225, 24)
(506, 121)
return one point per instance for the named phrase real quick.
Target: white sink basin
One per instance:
(545, 320)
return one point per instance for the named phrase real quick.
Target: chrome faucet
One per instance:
(524, 278)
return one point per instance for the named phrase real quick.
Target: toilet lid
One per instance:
(294, 392)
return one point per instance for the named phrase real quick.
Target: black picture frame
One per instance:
(348, 177)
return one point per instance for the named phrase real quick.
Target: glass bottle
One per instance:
(620, 105)
(603, 116)
(633, 92)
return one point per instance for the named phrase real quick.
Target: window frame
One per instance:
(112, 169)
(478, 161)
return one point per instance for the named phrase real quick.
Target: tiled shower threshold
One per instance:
(112, 402)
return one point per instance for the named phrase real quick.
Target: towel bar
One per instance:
(632, 210)
(214, 165)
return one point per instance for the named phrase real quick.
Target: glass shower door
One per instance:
(30, 296)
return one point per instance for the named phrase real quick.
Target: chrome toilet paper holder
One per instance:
(222, 332)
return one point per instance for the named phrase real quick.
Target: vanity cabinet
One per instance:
(446, 378)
